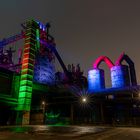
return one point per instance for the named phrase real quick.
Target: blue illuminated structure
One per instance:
(120, 76)
(44, 71)
(96, 80)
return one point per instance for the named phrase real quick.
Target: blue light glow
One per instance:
(43, 28)
(44, 71)
(40, 26)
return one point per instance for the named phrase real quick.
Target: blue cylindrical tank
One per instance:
(120, 76)
(96, 80)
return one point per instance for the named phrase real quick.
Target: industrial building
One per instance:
(33, 92)
(25, 85)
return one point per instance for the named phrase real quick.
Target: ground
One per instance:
(69, 133)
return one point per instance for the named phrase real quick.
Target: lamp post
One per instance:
(71, 113)
(43, 110)
(85, 106)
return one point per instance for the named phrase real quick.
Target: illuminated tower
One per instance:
(37, 66)
(26, 80)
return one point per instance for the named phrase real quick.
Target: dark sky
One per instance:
(83, 29)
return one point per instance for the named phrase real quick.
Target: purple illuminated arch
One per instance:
(125, 57)
(105, 59)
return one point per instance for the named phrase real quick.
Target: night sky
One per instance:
(83, 29)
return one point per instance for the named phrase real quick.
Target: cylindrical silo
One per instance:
(96, 80)
(120, 76)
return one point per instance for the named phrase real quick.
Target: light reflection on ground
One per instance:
(52, 129)
(43, 132)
